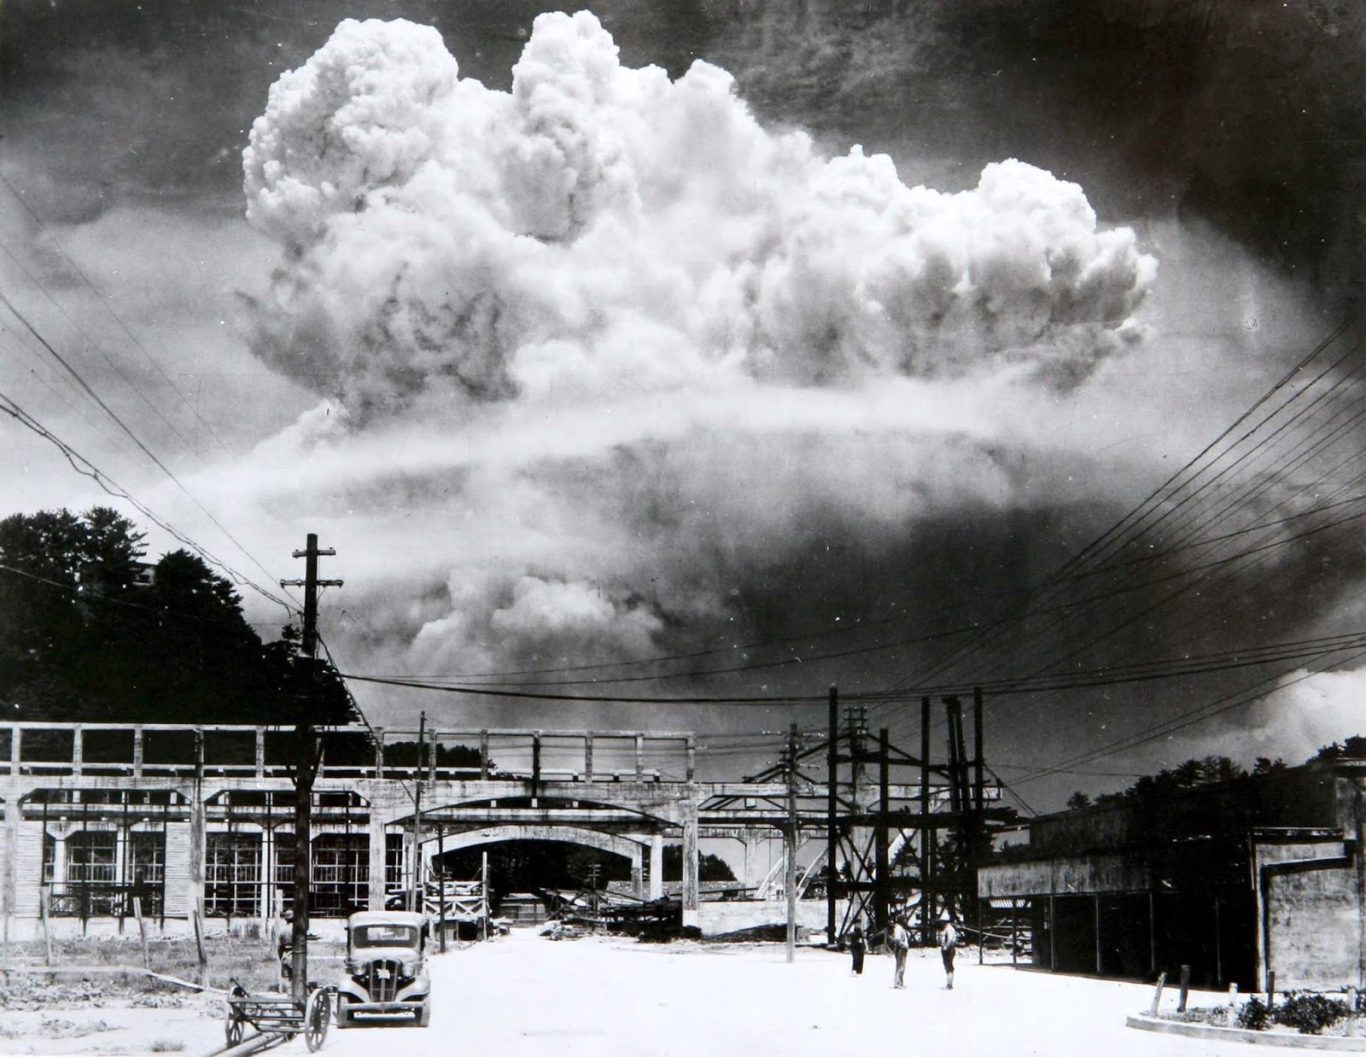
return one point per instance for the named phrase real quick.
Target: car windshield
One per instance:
(384, 936)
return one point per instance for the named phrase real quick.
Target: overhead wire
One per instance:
(113, 364)
(107, 484)
(109, 307)
(28, 325)
(1134, 520)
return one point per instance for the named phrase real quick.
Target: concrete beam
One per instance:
(609, 842)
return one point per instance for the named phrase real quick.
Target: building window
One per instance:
(341, 873)
(91, 857)
(147, 858)
(232, 875)
(394, 878)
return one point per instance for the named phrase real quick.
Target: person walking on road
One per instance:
(948, 944)
(900, 942)
(857, 948)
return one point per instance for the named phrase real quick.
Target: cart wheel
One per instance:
(316, 1017)
(233, 1029)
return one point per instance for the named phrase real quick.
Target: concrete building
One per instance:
(1238, 880)
(102, 822)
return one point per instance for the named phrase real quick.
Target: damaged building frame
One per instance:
(1237, 880)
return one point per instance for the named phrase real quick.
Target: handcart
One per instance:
(274, 1013)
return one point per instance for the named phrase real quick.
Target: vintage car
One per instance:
(386, 969)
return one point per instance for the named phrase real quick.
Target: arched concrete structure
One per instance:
(628, 847)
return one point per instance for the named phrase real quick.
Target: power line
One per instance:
(481, 691)
(86, 468)
(1131, 525)
(1188, 718)
(133, 436)
(96, 346)
(80, 272)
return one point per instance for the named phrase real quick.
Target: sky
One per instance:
(800, 344)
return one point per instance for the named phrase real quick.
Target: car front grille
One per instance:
(382, 981)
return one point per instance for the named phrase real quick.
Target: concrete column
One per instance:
(588, 757)
(260, 752)
(656, 866)
(59, 855)
(379, 752)
(375, 899)
(637, 885)
(15, 735)
(137, 752)
(640, 757)
(691, 893)
(747, 871)
(692, 757)
(77, 749)
(9, 848)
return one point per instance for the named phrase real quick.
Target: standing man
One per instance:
(284, 943)
(948, 943)
(900, 942)
(857, 947)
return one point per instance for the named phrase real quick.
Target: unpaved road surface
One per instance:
(525, 996)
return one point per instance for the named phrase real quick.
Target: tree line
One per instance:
(91, 632)
(1212, 770)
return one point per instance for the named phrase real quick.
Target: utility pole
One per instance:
(306, 765)
(790, 844)
(415, 902)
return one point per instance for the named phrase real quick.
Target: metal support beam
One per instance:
(882, 869)
(831, 828)
(928, 910)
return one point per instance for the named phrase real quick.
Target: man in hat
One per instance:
(948, 943)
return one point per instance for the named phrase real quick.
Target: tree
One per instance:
(709, 867)
(84, 636)
(1077, 801)
(404, 754)
(57, 569)
(1354, 748)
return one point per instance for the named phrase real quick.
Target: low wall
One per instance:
(717, 919)
(1308, 895)
(24, 929)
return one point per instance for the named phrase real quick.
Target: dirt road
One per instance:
(525, 996)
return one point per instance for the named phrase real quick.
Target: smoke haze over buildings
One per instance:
(578, 359)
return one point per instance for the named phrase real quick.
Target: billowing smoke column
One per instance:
(657, 351)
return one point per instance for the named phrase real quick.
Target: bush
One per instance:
(1255, 1015)
(1309, 1013)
